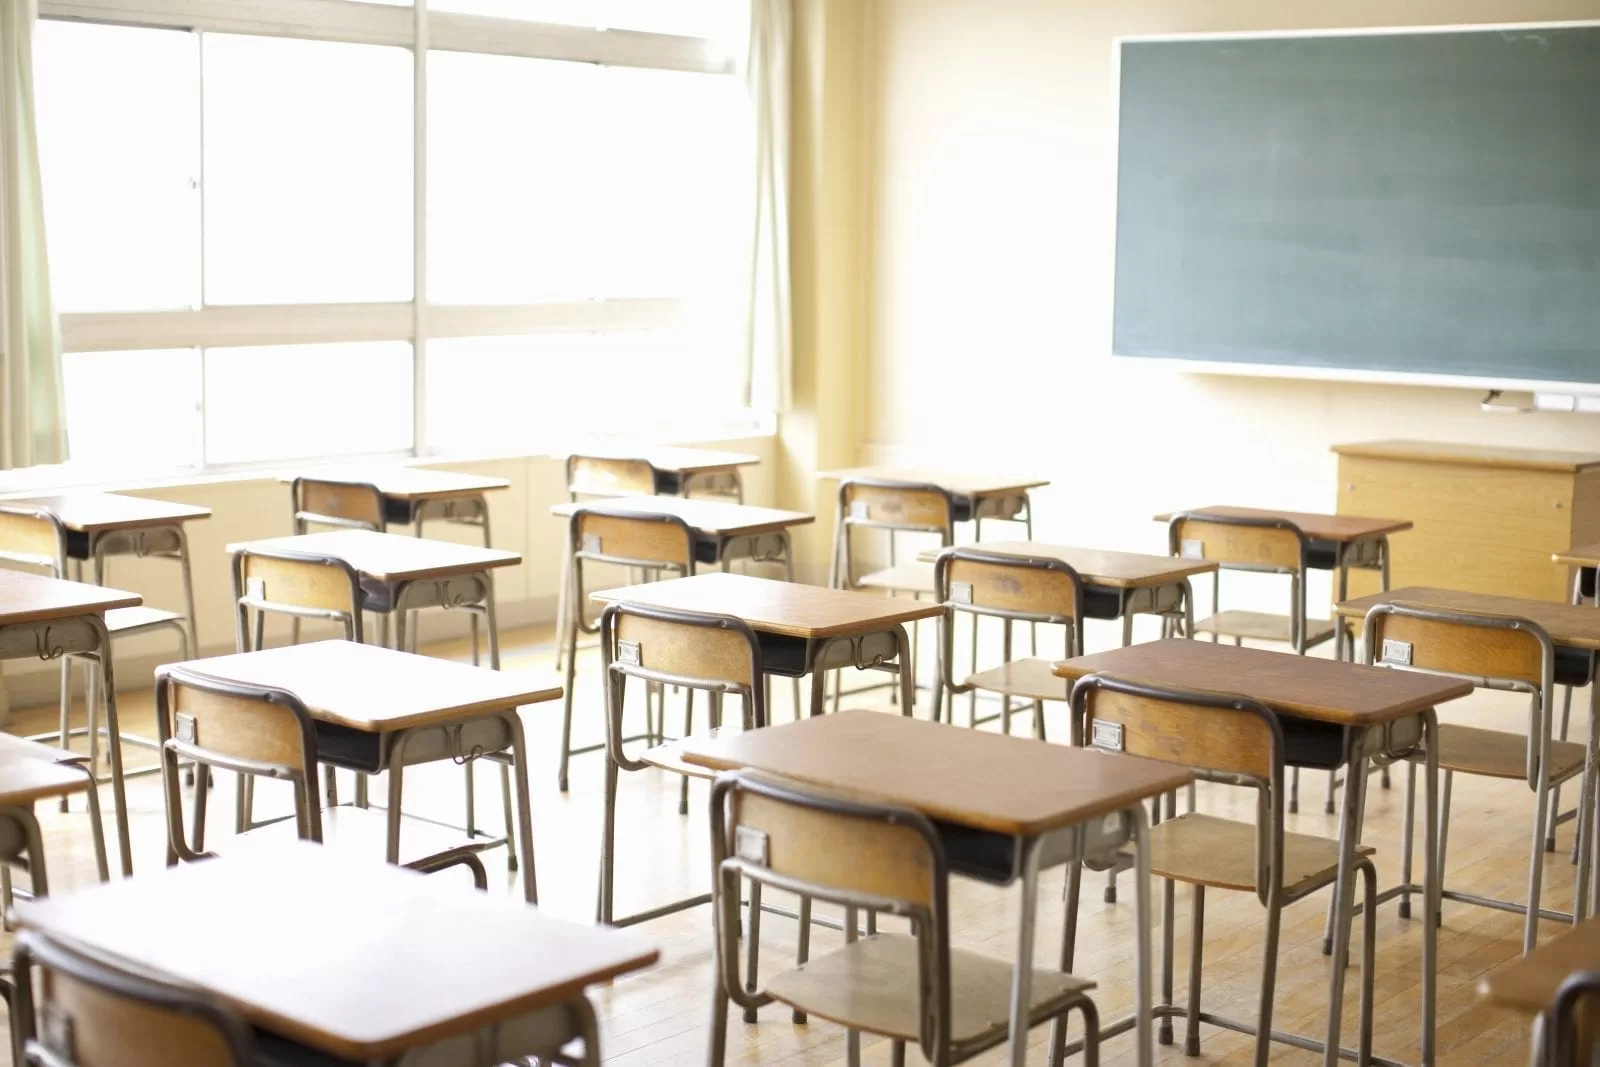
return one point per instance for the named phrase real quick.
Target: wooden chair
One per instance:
(88, 1012)
(39, 771)
(952, 1003)
(1013, 589)
(1235, 741)
(259, 731)
(714, 654)
(36, 539)
(1262, 546)
(1494, 652)
(652, 544)
(331, 502)
(895, 508)
(601, 476)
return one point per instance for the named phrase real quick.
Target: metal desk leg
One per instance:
(119, 794)
(519, 768)
(1141, 912)
(1022, 969)
(1432, 878)
(1355, 781)
(908, 682)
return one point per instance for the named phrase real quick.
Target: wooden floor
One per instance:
(659, 1016)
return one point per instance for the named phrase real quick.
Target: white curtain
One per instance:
(32, 419)
(767, 317)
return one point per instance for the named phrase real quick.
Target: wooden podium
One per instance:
(1487, 519)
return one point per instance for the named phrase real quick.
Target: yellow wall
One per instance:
(990, 184)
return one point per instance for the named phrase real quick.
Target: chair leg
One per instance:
(1333, 783)
(1530, 927)
(605, 905)
(1405, 846)
(1269, 981)
(510, 814)
(566, 713)
(1555, 790)
(752, 947)
(688, 728)
(64, 740)
(803, 949)
(1164, 1031)
(1197, 926)
(1294, 790)
(897, 1054)
(1038, 720)
(717, 1047)
(1444, 836)
(1369, 959)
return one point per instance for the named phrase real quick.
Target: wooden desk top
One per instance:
(1114, 570)
(375, 689)
(390, 557)
(1569, 625)
(714, 518)
(406, 483)
(1005, 785)
(1349, 694)
(1579, 556)
(28, 597)
(788, 608)
(671, 459)
(1340, 529)
(957, 483)
(1537, 459)
(93, 512)
(25, 777)
(354, 957)
(1529, 984)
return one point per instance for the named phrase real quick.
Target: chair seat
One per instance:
(1262, 626)
(913, 577)
(1221, 853)
(131, 620)
(669, 757)
(872, 985)
(365, 831)
(1028, 678)
(1501, 754)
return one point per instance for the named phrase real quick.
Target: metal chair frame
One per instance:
(1071, 619)
(31, 1048)
(302, 778)
(577, 554)
(1270, 892)
(930, 925)
(1537, 771)
(250, 638)
(1556, 1043)
(57, 565)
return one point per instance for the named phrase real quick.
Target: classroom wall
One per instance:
(990, 169)
(258, 506)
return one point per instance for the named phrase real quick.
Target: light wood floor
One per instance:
(659, 1016)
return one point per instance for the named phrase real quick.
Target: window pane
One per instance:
(653, 381)
(722, 20)
(308, 171)
(292, 401)
(512, 202)
(674, 170)
(119, 138)
(133, 411)
(612, 182)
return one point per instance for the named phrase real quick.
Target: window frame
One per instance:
(417, 320)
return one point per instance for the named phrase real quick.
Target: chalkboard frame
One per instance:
(1322, 373)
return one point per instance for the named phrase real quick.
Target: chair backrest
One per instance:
(717, 653)
(1491, 651)
(296, 583)
(626, 538)
(330, 502)
(248, 729)
(840, 849)
(1572, 1032)
(889, 505)
(33, 537)
(1023, 588)
(1219, 736)
(609, 476)
(88, 1012)
(1239, 543)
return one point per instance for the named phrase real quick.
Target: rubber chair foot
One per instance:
(561, 783)
(799, 1018)
(188, 776)
(1164, 1032)
(1111, 894)
(1191, 1046)
(1327, 809)
(749, 1015)
(511, 863)
(1405, 909)
(1327, 946)
(1549, 844)
(1294, 807)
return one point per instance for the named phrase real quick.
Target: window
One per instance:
(232, 209)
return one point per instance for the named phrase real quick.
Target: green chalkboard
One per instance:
(1417, 202)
